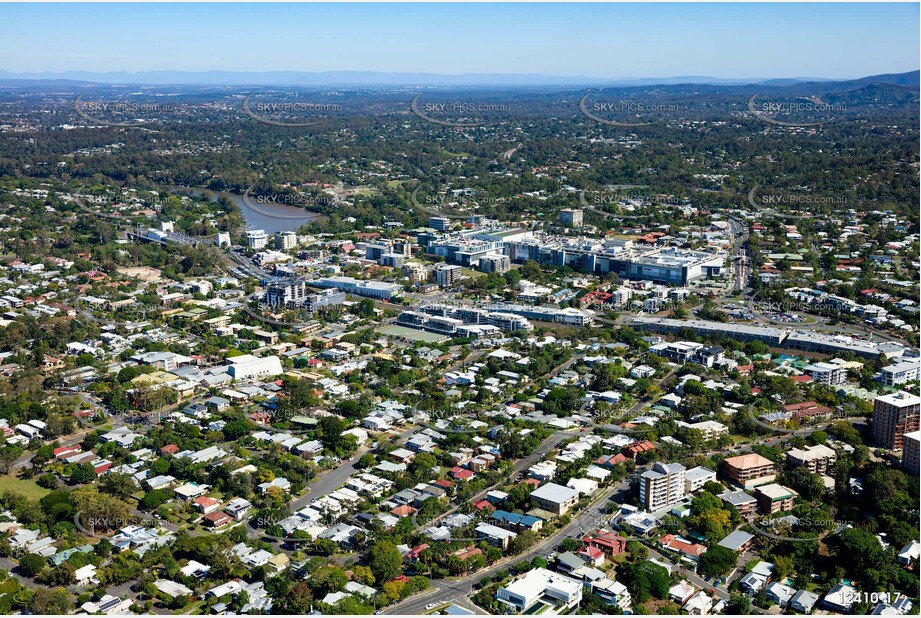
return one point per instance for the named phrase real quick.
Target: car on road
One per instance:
(431, 606)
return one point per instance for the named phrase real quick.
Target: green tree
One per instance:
(716, 561)
(386, 561)
(32, 564)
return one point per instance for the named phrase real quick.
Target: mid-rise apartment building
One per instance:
(826, 373)
(817, 459)
(893, 416)
(774, 498)
(285, 240)
(447, 275)
(900, 373)
(748, 470)
(256, 239)
(295, 294)
(911, 452)
(662, 486)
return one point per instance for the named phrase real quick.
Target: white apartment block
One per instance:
(900, 373)
(696, 478)
(826, 373)
(662, 486)
(256, 239)
(817, 459)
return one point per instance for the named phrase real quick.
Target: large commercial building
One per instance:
(748, 470)
(508, 322)
(894, 416)
(295, 293)
(569, 316)
(668, 265)
(662, 486)
(739, 332)
(371, 289)
(464, 249)
(247, 366)
(774, 337)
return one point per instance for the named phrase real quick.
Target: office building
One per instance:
(441, 224)
(571, 217)
(370, 289)
(894, 416)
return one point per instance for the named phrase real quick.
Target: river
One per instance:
(260, 216)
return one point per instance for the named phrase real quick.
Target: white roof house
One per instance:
(171, 588)
(85, 575)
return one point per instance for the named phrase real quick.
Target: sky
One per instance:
(823, 40)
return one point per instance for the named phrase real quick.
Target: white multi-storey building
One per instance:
(256, 239)
(662, 486)
(900, 373)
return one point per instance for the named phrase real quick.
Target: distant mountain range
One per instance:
(378, 79)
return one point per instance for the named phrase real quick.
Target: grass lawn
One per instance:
(23, 487)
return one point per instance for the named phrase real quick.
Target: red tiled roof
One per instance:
(675, 544)
(467, 552)
(482, 504)
(402, 511)
(462, 474)
(218, 518)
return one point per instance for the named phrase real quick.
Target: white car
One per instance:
(431, 606)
